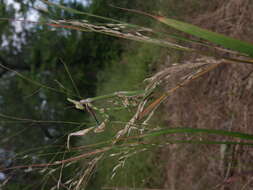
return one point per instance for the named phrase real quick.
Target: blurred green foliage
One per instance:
(44, 55)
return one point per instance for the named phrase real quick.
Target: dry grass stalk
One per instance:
(191, 71)
(118, 30)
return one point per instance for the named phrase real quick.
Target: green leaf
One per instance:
(216, 38)
(239, 135)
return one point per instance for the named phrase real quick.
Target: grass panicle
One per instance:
(136, 135)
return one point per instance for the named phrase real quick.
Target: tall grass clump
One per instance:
(121, 114)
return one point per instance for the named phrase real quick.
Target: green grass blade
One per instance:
(216, 38)
(239, 135)
(199, 142)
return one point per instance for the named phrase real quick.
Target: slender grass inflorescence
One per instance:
(135, 136)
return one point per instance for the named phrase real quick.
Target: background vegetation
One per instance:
(98, 64)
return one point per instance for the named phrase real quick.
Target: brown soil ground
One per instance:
(221, 99)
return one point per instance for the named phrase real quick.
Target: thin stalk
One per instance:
(112, 95)
(71, 78)
(36, 121)
(243, 136)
